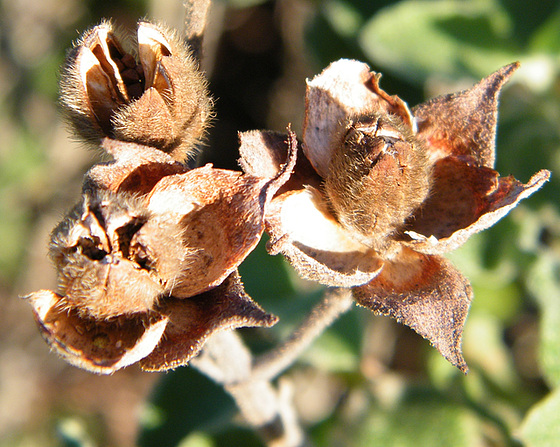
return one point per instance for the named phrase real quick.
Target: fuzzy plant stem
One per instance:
(271, 364)
(269, 410)
(196, 13)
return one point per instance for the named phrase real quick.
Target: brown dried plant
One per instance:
(147, 260)
(384, 191)
(151, 94)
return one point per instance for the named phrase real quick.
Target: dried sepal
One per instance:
(193, 320)
(159, 99)
(426, 293)
(320, 249)
(466, 199)
(464, 123)
(263, 152)
(135, 169)
(222, 215)
(166, 337)
(100, 346)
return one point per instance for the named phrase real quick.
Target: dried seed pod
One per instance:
(114, 257)
(159, 100)
(122, 251)
(399, 190)
(148, 274)
(377, 177)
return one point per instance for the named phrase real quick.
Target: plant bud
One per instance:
(377, 177)
(159, 99)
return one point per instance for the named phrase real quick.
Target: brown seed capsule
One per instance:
(114, 257)
(130, 244)
(377, 177)
(426, 177)
(159, 100)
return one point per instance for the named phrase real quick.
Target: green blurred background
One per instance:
(367, 381)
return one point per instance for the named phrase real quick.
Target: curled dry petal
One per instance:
(426, 293)
(158, 100)
(464, 123)
(167, 337)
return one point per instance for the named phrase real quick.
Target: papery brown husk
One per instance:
(409, 281)
(220, 217)
(165, 338)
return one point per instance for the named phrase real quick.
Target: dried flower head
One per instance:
(384, 191)
(153, 94)
(148, 269)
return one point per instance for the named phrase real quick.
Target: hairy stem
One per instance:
(271, 364)
(195, 24)
(227, 360)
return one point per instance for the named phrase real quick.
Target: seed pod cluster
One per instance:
(148, 273)
(153, 94)
(147, 260)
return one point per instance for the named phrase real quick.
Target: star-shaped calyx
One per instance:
(384, 191)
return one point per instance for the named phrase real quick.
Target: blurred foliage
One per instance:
(366, 381)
